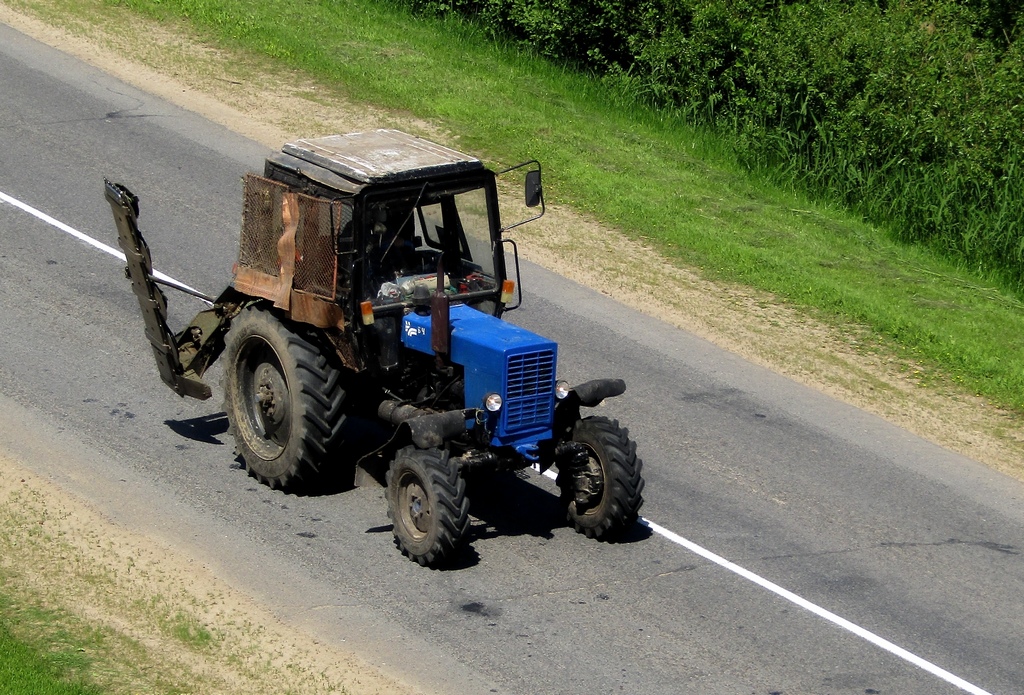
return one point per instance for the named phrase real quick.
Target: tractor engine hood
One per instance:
(498, 358)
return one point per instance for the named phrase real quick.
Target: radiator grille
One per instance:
(529, 390)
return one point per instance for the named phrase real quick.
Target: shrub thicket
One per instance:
(911, 111)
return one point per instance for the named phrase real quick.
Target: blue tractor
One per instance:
(371, 281)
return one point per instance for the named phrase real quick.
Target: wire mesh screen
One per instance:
(316, 255)
(262, 224)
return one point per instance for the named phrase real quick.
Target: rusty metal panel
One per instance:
(345, 345)
(290, 236)
(306, 308)
(286, 247)
(256, 284)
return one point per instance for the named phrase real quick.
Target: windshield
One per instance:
(408, 237)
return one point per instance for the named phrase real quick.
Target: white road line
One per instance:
(807, 605)
(817, 610)
(83, 237)
(660, 530)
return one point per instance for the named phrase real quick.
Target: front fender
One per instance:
(588, 394)
(591, 393)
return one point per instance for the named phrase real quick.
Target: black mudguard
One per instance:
(588, 394)
(591, 393)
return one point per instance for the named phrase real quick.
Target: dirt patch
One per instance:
(149, 618)
(271, 108)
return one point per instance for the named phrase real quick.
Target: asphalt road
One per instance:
(908, 542)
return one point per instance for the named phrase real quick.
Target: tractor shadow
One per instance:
(502, 504)
(508, 504)
(359, 436)
(205, 430)
(511, 504)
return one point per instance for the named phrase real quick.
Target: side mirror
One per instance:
(534, 190)
(534, 193)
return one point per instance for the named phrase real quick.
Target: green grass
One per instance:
(28, 668)
(189, 631)
(647, 173)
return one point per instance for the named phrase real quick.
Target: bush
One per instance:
(911, 112)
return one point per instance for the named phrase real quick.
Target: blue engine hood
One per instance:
(498, 357)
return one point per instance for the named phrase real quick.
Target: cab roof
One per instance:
(381, 156)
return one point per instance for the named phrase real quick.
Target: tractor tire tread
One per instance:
(623, 483)
(317, 385)
(448, 490)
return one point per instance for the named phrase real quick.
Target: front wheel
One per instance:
(427, 504)
(604, 494)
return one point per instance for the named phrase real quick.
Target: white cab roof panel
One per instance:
(381, 156)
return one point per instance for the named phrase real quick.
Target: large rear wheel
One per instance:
(604, 495)
(283, 398)
(427, 504)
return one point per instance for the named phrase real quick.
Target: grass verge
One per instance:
(104, 631)
(89, 608)
(31, 669)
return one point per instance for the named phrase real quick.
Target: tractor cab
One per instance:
(412, 219)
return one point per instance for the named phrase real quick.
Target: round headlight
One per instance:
(492, 402)
(561, 389)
